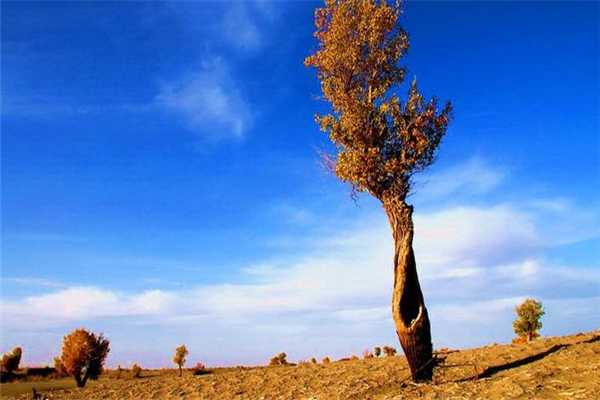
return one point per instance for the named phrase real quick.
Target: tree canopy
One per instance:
(382, 141)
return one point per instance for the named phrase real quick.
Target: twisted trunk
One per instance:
(408, 308)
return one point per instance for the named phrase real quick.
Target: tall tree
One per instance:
(382, 141)
(179, 358)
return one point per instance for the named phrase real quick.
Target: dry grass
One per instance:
(553, 368)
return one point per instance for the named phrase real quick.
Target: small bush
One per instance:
(354, 358)
(11, 361)
(118, 372)
(377, 351)
(282, 357)
(367, 354)
(199, 369)
(313, 360)
(389, 351)
(136, 371)
(528, 323)
(326, 360)
(303, 362)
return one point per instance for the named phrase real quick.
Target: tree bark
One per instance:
(180, 371)
(79, 382)
(408, 307)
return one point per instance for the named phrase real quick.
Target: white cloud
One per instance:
(475, 264)
(82, 303)
(210, 101)
(470, 178)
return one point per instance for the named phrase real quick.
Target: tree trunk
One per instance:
(408, 308)
(180, 371)
(79, 382)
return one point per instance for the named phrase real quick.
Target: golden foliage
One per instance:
(382, 141)
(528, 322)
(83, 352)
(180, 354)
(389, 351)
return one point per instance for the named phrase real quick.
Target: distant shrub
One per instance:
(118, 372)
(84, 353)
(199, 369)
(282, 357)
(10, 361)
(528, 322)
(303, 362)
(367, 354)
(136, 371)
(326, 360)
(389, 351)
(313, 360)
(279, 359)
(377, 351)
(354, 358)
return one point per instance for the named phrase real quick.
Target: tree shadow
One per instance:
(490, 371)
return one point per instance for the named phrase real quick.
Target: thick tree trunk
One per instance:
(408, 307)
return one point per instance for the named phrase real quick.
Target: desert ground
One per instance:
(565, 367)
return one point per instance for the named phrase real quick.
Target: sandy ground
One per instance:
(552, 368)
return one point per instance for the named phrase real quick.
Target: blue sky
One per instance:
(160, 181)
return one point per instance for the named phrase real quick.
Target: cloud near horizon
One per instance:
(475, 264)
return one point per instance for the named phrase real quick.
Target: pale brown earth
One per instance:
(550, 368)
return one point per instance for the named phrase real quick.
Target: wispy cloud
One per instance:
(210, 101)
(473, 177)
(241, 29)
(475, 263)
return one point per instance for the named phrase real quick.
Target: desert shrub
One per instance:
(377, 351)
(389, 351)
(313, 360)
(527, 324)
(199, 369)
(367, 354)
(282, 357)
(519, 340)
(326, 360)
(10, 361)
(136, 371)
(118, 372)
(354, 358)
(179, 358)
(84, 352)
(303, 362)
